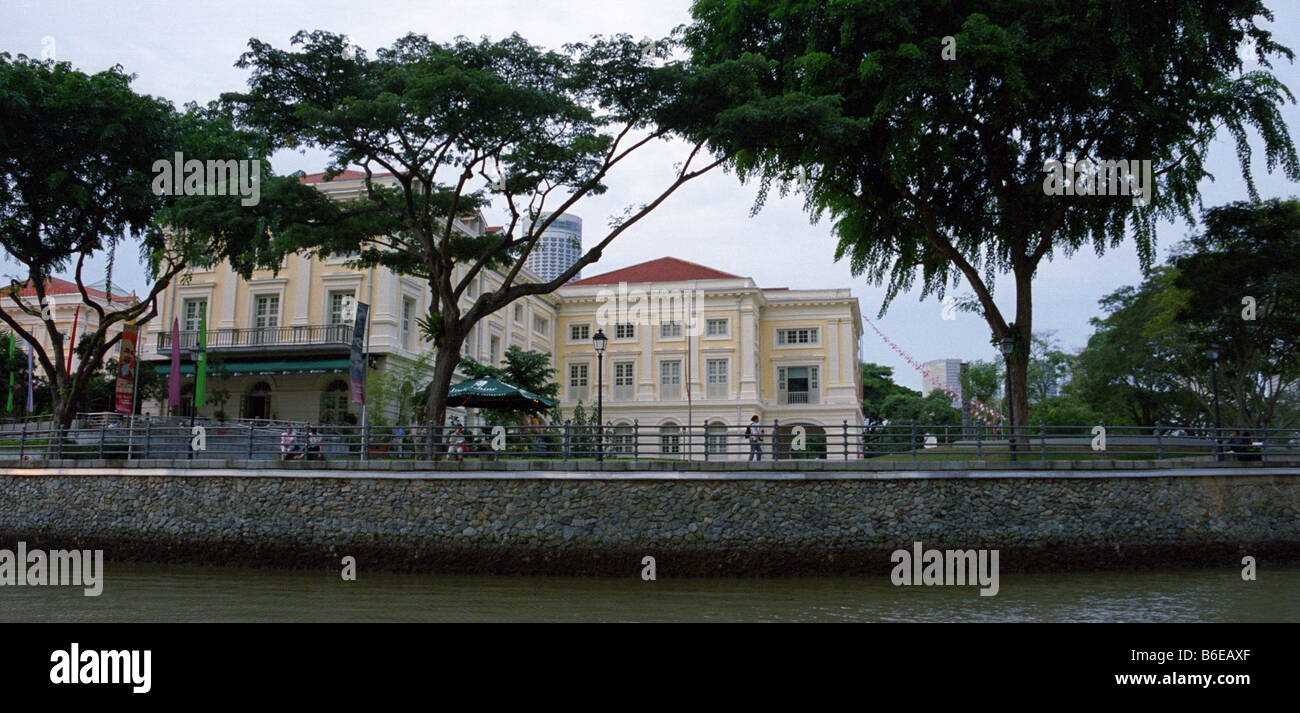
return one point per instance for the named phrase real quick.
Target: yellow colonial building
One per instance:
(689, 346)
(707, 350)
(279, 342)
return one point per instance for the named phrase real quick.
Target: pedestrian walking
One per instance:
(754, 433)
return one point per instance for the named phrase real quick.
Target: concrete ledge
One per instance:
(526, 471)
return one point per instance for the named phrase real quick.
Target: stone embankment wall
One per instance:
(719, 522)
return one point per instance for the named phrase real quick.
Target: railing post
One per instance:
(776, 438)
(252, 430)
(59, 433)
(22, 443)
(979, 442)
(365, 442)
(1159, 447)
(564, 441)
(636, 439)
(1263, 446)
(1042, 439)
(846, 439)
(148, 430)
(430, 443)
(102, 429)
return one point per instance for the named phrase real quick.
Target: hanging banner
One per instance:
(124, 395)
(357, 364)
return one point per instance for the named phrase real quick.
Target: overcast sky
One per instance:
(185, 51)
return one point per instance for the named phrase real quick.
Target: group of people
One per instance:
(305, 447)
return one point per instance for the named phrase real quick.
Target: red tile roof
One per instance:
(56, 286)
(348, 175)
(665, 269)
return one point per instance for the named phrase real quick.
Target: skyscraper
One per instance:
(558, 248)
(945, 375)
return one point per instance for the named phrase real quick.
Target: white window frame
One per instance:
(676, 379)
(329, 305)
(583, 339)
(670, 331)
(275, 317)
(624, 391)
(631, 327)
(724, 384)
(408, 319)
(726, 327)
(191, 324)
(781, 342)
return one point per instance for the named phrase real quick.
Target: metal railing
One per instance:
(303, 335)
(105, 438)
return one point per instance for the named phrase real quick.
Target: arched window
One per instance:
(670, 439)
(621, 441)
(715, 438)
(334, 403)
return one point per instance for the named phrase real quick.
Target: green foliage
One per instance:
(1135, 369)
(877, 387)
(886, 402)
(932, 170)
(1245, 250)
(525, 369)
(392, 391)
(983, 380)
(464, 125)
(77, 174)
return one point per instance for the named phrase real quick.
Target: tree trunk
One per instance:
(444, 368)
(1023, 331)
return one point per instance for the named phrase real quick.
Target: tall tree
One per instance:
(950, 112)
(1241, 277)
(77, 157)
(1137, 368)
(466, 124)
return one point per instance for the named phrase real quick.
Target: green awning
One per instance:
(265, 368)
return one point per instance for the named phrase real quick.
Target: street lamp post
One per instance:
(599, 341)
(1212, 353)
(195, 355)
(1007, 345)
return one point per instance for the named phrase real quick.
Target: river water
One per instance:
(174, 593)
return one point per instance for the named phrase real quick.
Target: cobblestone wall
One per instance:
(798, 523)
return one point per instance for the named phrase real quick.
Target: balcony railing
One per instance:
(302, 335)
(796, 397)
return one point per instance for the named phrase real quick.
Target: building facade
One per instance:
(721, 351)
(71, 315)
(279, 342)
(712, 350)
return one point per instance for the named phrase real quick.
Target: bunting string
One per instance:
(984, 412)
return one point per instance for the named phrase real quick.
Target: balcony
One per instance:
(318, 337)
(785, 398)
